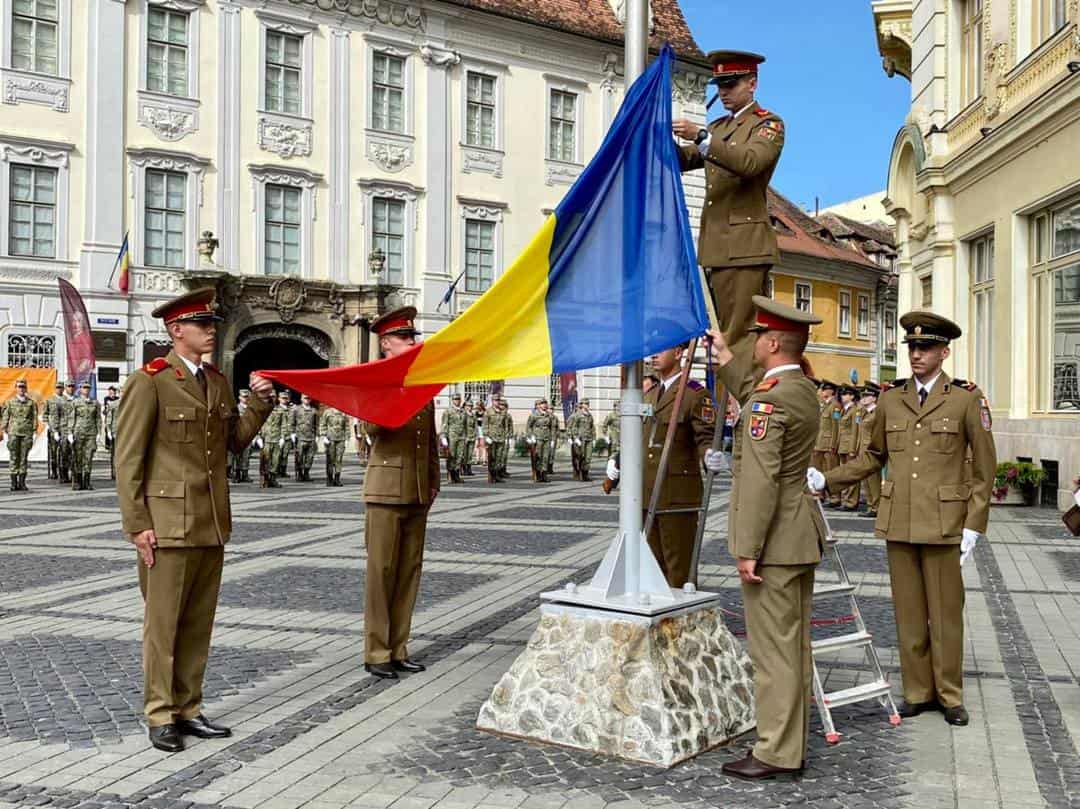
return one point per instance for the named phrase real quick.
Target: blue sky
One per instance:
(823, 76)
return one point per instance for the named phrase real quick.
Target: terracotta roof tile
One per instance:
(809, 237)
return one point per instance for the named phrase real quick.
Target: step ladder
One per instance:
(879, 687)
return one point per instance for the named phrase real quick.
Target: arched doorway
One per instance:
(279, 347)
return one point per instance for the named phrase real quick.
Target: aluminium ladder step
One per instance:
(858, 693)
(849, 641)
(834, 589)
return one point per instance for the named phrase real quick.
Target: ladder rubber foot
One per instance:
(895, 719)
(832, 738)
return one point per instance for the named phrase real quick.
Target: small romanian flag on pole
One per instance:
(122, 267)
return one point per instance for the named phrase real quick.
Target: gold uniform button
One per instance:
(162, 492)
(916, 459)
(181, 415)
(710, 202)
(917, 442)
(914, 474)
(918, 425)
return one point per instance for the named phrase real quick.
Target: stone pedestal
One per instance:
(658, 689)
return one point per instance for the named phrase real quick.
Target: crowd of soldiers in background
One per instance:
(847, 422)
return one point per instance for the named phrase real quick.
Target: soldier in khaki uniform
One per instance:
(775, 530)
(933, 434)
(18, 423)
(177, 422)
(401, 484)
(847, 442)
(872, 484)
(827, 424)
(739, 154)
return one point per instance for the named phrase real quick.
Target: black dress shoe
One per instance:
(381, 670)
(167, 738)
(909, 709)
(408, 665)
(203, 728)
(956, 715)
(750, 769)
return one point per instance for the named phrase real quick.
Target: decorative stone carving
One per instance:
(391, 156)
(34, 275)
(619, 8)
(287, 137)
(190, 164)
(476, 209)
(561, 173)
(315, 339)
(610, 69)
(288, 295)
(485, 161)
(280, 175)
(157, 281)
(33, 89)
(657, 692)
(35, 154)
(170, 120)
(402, 16)
(894, 37)
(434, 56)
(689, 88)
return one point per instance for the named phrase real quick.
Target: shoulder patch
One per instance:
(762, 407)
(767, 385)
(156, 366)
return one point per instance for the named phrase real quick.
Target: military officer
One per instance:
(933, 436)
(468, 444)
(108, 418)
(401, 484)
(495, 437)
(18, 423)
(739, 154)
(241, 461)
(583, 434)
(822, 458)
(847, 443)
(363, 440)
(288, 428)
(612, 427)
(872, 483)
(544, 431)
(52, 417)
(275, 434)
(67, 451)
(481, 444)
(178, 419)
(334, 429)
(671, 536)
(775, 531)
(85, 426)
(454, 428)
(306, 435)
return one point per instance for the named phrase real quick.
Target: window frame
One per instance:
(30, 331)
(889, 327)
(295, 27)
(862, 315)
(376, 200)
(923, 279)
(406, 52)
(44, 154)
(840, 308)
(29, 86)
(972, 57)
(481, 105)
(392, 189)
(283, 224)
(194, 166)
(981, 291)
(166, 211)
(480, 211)
(36, 21)
(308, 183)
(809, 295)
(190, 9)
(578, 88)
(34, 206)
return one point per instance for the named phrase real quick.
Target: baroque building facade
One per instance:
(984, 187)
(319, 161)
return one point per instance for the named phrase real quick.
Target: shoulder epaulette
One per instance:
(693, 384)
(767, 385)
(212, 368)
(156, 366)
(963, 383)
(896, 383)
(761, 112)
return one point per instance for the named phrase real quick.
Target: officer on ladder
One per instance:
(775, 531)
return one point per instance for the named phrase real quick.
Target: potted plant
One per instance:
(1017, 483)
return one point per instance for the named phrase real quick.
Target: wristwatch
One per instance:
(701, 135)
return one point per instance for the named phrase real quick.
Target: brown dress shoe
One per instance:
(909, 709)
(750, 769)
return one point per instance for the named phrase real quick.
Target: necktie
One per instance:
(922, 396)
(200, 377)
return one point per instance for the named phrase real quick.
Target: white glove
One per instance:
(71, 438)
(294, 438)
(480, 433)
(967, 544)
(259, 442)
(108, 435)
(281, 442)
(444, 441)
(577, 441)
(368, 439)
(56, 435)
(815, 480)
(531, 439)
(325, 441)
(612, 470)
(715, 461)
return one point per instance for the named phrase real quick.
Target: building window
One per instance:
(926, 291)
(479, 255)
(1055, 312)
(971, 51)
(34, 28)
(554, 392)
(1047, 18)
(802, 297)
(284, 59)
(1066, 230)
(477, 391)
(31, 351)
(981, 253)
(562, 123)
(890, 334)
(388, 235)
(862, 319)
(282, 241)
(388, 92)
(167, 51)
(33, 211)
(480, 110)
(164, 239)
(844, 300)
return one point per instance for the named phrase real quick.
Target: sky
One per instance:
(823, 76)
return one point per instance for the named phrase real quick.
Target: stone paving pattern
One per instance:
(311, 729)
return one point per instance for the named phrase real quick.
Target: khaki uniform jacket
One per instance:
(735, 227)
(847, 439)
(866, 429)
(931, 492)
(171, 452)
(772, 517)
(404, 464)
(693, 435)
(828, 426)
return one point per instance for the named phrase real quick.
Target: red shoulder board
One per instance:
(767, 384)
(156, 366)
(761, 112)
(212, 368)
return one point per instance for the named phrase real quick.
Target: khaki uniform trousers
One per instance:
(180, 594)
(778, 635)
(832, 460)
(928, 596)
(671, 539)
(819, 460)
(850, 496)
(872, 488)
(732, 291)
(394, 537)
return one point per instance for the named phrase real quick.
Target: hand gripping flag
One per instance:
(611, 277)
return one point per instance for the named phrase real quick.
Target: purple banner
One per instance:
(80, 342)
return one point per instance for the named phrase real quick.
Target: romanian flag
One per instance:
(610, 278)
(123, 267)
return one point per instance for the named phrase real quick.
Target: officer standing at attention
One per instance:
(868, 406)
(847, 442)
(306, 431)
(545, 430)
(241, 461)
(84, 428)
(334, 429)
(584, 435)
(454, 426)
(67, 441)
(18, 423)
(612, 428)
(933, 435)
(468, 444)
(739, 153)
(109, 417)
(775, 531)
(51, 417)
(275, 434)
(177, 422)
(401, 484)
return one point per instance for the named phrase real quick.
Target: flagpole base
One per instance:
(654, 689)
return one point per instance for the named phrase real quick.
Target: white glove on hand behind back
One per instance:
(967, 544)
(815, 480)
(612, 469)
(715, 461)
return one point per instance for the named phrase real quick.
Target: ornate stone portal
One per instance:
(657, 690)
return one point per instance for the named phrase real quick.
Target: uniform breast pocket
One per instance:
(896, 435)
(945, 435)
(384, 478)
(750, 234)
(165, 500)
(179, 424)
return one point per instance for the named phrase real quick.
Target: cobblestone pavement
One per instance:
(312, 729)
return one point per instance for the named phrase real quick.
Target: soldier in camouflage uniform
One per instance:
(545, 431)
(334, 429)
(454, 427)
(582, 434)
(240, 462)
(51, 416)
(274, 434)
(305, 436)
(109, 414)
(496, 439)
(83, 431)
(67, 450)
(612, 426)
(288, 430)
(468, 449)
(18, 422)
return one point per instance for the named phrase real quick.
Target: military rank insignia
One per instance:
(984, 414)
(708, 415)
